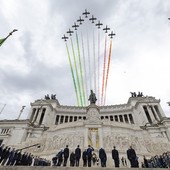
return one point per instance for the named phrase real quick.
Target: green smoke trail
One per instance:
(72, 73)
(84, 64)
(81, 75)
(88, 48)
(76, 73)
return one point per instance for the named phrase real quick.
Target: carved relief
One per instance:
(93, 116)
(60, 141)
(123, 141)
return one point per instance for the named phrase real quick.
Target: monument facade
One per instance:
(140, 123)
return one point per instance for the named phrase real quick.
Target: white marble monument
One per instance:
(140, 123)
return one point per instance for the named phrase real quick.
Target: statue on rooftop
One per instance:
(92, 98)
(47, 97)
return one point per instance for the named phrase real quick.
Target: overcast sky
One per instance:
(34, 60)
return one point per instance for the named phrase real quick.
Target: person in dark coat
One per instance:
(77, 155)
(24, 159)
(60, 158)
(11, 157)
(66, 155)
(5, 155)
(131, 154)
(115, 156)
(14, 158)
(72, 159)
(18, 158)
(1, 149)
(89, 155)
(145, 162)
(54, 160)
(29, 159)
(103, 157)
(84, 157)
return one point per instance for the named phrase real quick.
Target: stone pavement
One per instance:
(70, 168)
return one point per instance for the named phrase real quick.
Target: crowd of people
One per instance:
(157, 161)
(11, 156)
(15, 157)
(89, 157)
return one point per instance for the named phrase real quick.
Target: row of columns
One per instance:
(66, 119)
(152, 113)
(127, 118)
(38, 115)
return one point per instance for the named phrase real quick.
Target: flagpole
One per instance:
(21, 112)
(2, 108)
(4, 39)
(11, 33)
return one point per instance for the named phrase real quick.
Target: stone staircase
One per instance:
(71, 168)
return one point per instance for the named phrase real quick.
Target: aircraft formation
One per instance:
(88, 49)
(92, 19)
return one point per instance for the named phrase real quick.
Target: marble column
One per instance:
(85, 137)
(100, 137)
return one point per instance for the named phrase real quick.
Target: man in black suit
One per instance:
(77, 155)
(131, 154)
(89, 155)
(115, 156)
(66, 155)
(103, 157)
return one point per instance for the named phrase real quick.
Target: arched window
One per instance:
(116, 118)
(111, 118)
(62, 119)
(131, 119)
(102, 117)
(71, 119)
(66, 119)
(57, 120)
(120, 118)
(42, 116)
(75, 118)
(126, 119)
(32, 115)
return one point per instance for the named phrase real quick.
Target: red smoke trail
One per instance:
(108, 66)
(104, 66)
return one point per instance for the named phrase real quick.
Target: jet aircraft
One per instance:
(86, 13)
(75, 26)
(99, 24)
(65, 38)
(111, 34)
(80, 20)
(106, 29)
(92, 19)
(70, 32)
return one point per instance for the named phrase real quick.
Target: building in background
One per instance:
(140, 123)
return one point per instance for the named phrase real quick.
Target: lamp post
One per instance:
(21, 111)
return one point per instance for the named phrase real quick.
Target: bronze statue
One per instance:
(47, 97)
(92, 98)
(133, 94)
(53, 97)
